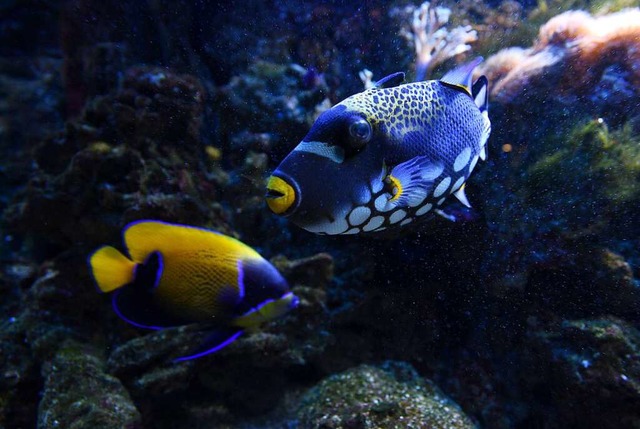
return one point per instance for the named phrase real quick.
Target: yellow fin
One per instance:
(144, 237)
(111, 269)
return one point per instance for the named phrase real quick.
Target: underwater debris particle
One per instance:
(213, 153)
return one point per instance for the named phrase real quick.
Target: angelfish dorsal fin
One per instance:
(462, 76)
(390, 81)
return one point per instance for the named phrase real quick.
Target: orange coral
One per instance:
(579, 45)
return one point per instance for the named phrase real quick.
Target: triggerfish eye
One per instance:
(360, 132)
(281, 196)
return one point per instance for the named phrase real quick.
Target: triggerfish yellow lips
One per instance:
(281, 196)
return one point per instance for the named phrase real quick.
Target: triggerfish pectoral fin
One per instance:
(413, 180)
(216, 341)
(111, 269)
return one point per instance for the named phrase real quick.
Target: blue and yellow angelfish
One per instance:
(384, 157)
(178, 274)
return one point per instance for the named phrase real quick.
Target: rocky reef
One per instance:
(522, 314)
(388, 396)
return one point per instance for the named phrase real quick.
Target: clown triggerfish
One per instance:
(177, 274)
(384, 157)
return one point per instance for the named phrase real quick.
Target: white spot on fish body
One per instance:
(363, 196)
(406, 221)
(377, 184)
(359, 215)
(382, 203)
(474, 161)
(397, 216)
(333, 153)
(374, 223)
(352, 231)
(462, 160)
(458, 183)
(440, 201)
(442, 187)
(424, 209)
(337, 227)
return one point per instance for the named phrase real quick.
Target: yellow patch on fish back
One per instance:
(199, 266)
(401, 108)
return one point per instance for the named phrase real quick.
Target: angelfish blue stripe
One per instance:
(212, 350)
(114, 304)
(240, 281)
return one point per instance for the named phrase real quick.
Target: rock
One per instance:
(79, 394)
(390, 396)
(590, 370)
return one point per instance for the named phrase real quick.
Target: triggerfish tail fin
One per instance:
(480, 94)
(216, 341)
(462, 77)
(111, 269)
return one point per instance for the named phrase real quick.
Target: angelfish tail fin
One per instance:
(216, 341)
(111, 269)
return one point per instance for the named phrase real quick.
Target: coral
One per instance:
(78, 393)
(379, 397)
(434, 42)
(270, 98)
(569, 45)
(135, 153)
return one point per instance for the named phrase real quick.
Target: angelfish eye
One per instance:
(360, 132)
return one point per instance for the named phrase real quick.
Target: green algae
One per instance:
(591, 158)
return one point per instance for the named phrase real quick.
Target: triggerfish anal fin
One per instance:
(462, 77)
(216, 341)
(111, 269)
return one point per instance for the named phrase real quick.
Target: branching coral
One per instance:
(434, 43)
(578, 46)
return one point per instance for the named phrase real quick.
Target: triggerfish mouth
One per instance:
(383, 158)
(177, 274)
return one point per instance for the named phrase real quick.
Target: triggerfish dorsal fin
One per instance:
(144, 237)
(390, 81)
(111, 269)
(462, 77)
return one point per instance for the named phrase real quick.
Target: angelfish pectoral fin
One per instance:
(214, 342)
